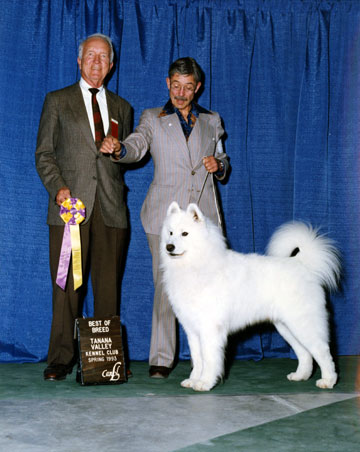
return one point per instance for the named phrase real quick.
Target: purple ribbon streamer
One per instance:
(64, 260)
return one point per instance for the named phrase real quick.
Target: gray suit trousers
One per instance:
(163, 332)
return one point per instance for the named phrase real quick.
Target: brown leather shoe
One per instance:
(57, 372)
(159, 371)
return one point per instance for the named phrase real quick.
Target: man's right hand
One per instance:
(62, 194)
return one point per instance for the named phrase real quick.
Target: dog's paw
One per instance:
(202, 386)
(326, 383)
(294, 376)
(188, 383)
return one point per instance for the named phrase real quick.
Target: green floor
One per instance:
(255, 409)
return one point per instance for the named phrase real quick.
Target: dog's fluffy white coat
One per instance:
(215, 291)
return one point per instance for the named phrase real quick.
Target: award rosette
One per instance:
(72, 211)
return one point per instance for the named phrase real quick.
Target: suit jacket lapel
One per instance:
(197, 141)
(172, 127)
(78, 108)
(111, 106)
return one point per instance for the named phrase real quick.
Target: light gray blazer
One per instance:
(178, 169)
(66, 155)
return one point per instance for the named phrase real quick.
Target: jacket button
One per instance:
(193, 172)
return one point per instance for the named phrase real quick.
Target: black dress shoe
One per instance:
(159, 371)
(56, 372)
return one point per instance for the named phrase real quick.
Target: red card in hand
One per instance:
(114, 128)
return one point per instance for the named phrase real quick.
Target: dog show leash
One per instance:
(218, 152)
(215, 197)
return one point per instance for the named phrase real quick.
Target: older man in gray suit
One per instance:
(185, 144)
(69, 163)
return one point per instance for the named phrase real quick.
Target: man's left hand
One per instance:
(111, 145)
(211, 164)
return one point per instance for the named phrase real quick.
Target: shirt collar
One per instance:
(196, 109)
(85, 86)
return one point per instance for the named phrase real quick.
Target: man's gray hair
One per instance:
(186, 66)
(101, 36)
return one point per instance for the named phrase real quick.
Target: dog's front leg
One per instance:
(194, 345)
(212, 343)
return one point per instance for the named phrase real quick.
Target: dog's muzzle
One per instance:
(170, 248)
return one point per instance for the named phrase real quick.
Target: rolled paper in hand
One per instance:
(72, 211)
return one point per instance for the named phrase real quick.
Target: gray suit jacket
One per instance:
(66, 155)
(178, 169)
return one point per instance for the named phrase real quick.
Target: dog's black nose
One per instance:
(170, 247)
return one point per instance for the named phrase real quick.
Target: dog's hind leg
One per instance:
(194, 345)
(328, 374)
(314, 340)
(305, 361)
(320, 350)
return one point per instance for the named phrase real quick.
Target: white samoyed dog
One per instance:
(215, 291)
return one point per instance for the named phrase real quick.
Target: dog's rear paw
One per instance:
(326, 383)
(188, 383)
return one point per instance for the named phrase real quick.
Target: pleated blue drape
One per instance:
(284, 76)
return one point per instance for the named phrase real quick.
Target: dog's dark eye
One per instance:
(170, 232)
(184, 234)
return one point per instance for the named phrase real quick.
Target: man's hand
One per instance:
(62, 194)
(211, 164)
(111, 145)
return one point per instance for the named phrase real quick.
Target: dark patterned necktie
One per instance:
(99, 128)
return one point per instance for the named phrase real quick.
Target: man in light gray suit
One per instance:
(184, 140)
(69, 163)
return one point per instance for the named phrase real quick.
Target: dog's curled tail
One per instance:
(297, 240)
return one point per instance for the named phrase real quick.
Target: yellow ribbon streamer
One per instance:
(76, 255)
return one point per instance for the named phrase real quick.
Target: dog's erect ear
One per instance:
(195, 212)
(173, 208)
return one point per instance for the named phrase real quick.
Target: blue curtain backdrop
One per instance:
(285, 77)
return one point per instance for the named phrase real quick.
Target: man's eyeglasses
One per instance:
(187, 88)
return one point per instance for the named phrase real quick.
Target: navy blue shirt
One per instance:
(188, 125)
